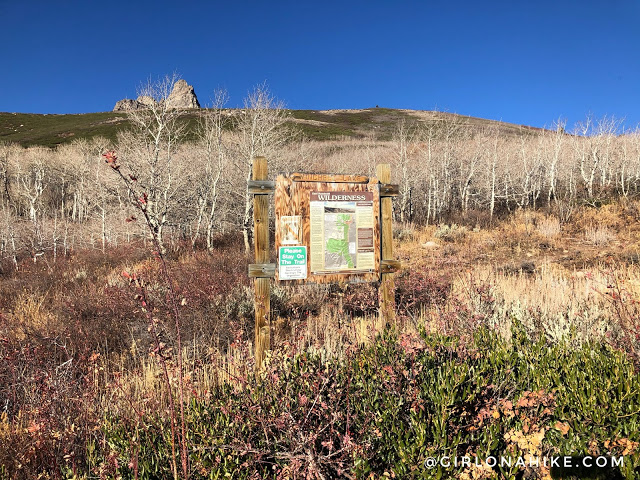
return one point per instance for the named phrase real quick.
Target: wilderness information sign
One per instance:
(341, 234)
(336, 220)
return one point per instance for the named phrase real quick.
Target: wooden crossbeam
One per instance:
(262, 270)
(259, 187)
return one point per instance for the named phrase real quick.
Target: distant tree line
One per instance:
(446, 169)
(65, 198)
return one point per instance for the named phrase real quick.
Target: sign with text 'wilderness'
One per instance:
(335, 221)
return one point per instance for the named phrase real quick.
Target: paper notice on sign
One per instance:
(364, 212)
(341, 232)
(366, 260)
(290, 230)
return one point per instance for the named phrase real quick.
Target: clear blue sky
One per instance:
(526, 62)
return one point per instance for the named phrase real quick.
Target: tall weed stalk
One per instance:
(139, 199)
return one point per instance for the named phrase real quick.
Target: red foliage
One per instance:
(421, 288)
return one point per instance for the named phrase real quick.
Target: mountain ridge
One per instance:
(50, 130)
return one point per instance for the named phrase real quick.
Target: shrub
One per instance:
(549, 227)
(358, 299)
(384, 409)
(404, 233)
(450, 233)
(599, 235)
(416, 289)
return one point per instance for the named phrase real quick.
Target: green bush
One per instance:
(385, 408)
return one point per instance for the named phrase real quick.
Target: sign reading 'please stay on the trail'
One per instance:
(336, 219)
(292, 263)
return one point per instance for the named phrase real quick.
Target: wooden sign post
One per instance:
(261, 270)
(329, 229)
(387, 289)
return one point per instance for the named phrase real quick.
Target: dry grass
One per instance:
(30, 317)
(549, 227)
(608, 216)
(585, 285)
(599, 235)
(574, 291)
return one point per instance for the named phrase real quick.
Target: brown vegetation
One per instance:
(522, 245)
(76, 347)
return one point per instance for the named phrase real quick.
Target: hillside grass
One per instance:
(376, 122)
(50, 130)
(29, 129)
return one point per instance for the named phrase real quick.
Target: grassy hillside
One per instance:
(29, 129)
(49, 130)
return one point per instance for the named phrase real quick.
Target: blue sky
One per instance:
(522, 62)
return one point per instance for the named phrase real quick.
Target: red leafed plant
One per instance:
(139, 199)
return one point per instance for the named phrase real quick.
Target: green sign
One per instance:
(292, 263)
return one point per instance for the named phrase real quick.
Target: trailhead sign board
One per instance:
(327, 228)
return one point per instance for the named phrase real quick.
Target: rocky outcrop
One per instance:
(145, 101)
(126, 105)
(182, 96)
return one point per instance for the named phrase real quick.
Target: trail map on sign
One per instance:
(341, 231)
(340, 236)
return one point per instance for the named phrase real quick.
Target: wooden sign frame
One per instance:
(294, 197)
(297, 198)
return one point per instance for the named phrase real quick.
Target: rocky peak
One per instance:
(126, 105)
(182, 96)
(145, 101)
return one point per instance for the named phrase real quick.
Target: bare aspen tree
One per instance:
(553, 151)
(607, 133)
(493, 160)
(31, 174)
(622, 181)
(8, 235)
(430, 136)
(469, 154)
(212, 124)
(83, 157)
(63, 179)
(82, 188)
(5, 196)
(586, 149)
(7, 212)
(592, 144)
(528, 174)
(262, 131)
(404, 138)
(629, 169)
(442, 141)
(100, 203)
(150, 147)
(489, 171)
(538, 173)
